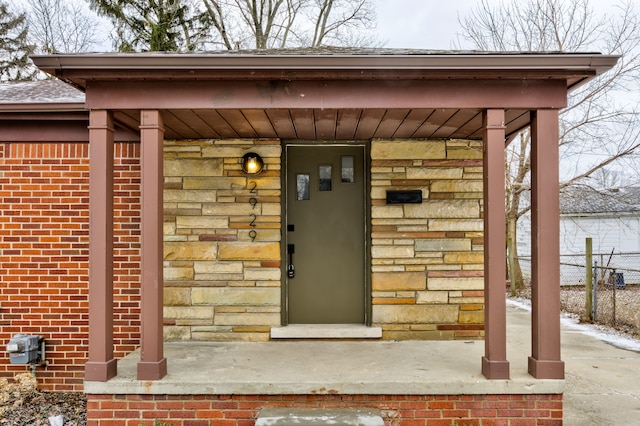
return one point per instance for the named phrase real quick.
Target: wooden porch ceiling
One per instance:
(324, 124)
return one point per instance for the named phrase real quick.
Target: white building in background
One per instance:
(611, 218)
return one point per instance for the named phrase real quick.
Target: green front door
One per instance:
(325, 234)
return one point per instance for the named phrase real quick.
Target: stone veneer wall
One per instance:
(427, 259)
(222, 281)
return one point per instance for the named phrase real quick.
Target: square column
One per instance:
(545, 363)
(152, 365)
(101, 365)
(494, 362)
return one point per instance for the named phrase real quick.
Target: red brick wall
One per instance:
(126, 248)
(397, 410)
(44, 253)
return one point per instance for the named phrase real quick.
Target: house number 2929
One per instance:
(253, 201)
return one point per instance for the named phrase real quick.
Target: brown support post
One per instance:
(494, 362)
(545, 363)
(101, 365)
(152, 365)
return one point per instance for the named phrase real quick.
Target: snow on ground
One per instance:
(606, 334)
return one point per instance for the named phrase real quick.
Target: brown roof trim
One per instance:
(44, 107)
(572, 62)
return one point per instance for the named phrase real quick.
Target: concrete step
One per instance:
(319, 417)
(326, 331)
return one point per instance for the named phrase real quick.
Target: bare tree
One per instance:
(62, 26)
(607, 180)
(263, 24)
(600, 127)
(238, 24)
(336, 22)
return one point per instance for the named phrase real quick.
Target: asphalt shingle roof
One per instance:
(39, 92)
(585, 199)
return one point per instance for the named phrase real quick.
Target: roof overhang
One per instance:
(395, 94)
(575, 67)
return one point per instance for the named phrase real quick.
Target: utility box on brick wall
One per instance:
(24, 349)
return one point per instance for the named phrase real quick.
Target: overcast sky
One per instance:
(433, 24)
(423, 24)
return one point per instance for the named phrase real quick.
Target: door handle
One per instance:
(291, 270)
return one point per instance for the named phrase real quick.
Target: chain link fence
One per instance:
(616, 288)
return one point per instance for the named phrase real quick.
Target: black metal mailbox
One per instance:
(410, 196)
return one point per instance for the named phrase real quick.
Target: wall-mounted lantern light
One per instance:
(252, 163)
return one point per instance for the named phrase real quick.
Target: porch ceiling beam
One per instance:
(523, 94)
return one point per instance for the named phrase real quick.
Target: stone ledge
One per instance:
(318, 417)
(326, 331)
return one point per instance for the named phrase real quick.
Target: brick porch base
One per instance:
(398, 410)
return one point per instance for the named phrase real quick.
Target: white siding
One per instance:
(621, 234)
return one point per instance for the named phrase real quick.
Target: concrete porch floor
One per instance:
(332, 367)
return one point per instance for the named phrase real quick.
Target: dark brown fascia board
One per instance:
(570, 62)
(43, 107)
